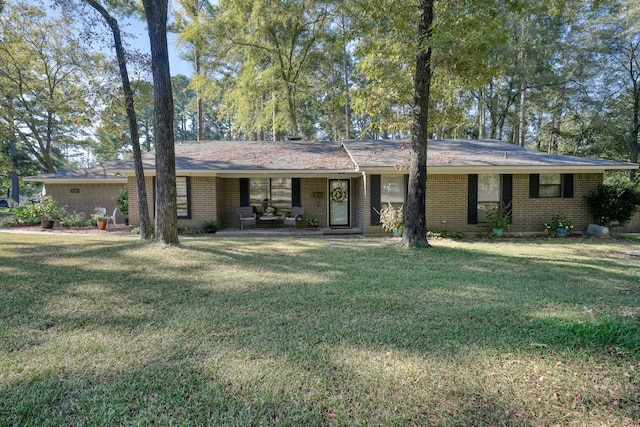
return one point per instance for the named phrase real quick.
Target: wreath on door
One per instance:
(339, 194)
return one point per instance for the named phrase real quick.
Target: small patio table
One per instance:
(270, 220)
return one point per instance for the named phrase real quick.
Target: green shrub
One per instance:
(613, 204)
(498, 217)
(122, 200)
(209, 227)
(33, 213)
(75, 220)
(189, 230)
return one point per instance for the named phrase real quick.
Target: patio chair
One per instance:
(112, 218)
(247, 216)
(292, 217)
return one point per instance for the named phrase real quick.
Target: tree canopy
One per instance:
(50, 82)
(561, 76)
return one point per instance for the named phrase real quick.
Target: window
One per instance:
(275, 192)
(182, 197)
(486, 191)
(549, 185)
(392, 190)
(488, 194)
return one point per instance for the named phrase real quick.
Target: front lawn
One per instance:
(319, 331)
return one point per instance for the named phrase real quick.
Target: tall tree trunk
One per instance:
(277, 133)
(347, 98)
(636, 128)
(143, 206)
(635, 142)
(539, 123)
(521, 121)
(556, 123)
(291, 104)
(147, 137)
(415, 234)
(261, 109)
(200, 108)
(166, 195)
(482, 115)
(15, 181)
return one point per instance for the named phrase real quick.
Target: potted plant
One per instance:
(122, 203)
(560, 225)
(270, 211)
(100, 218)
(498, 218)
(46, 210)
(392, 219)
(313, 222)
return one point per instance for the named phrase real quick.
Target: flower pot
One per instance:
(561, 232)
(398, 232)
(498, 232)
(46, 224)
(102, 225)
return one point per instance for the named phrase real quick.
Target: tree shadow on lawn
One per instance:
(186, 393)
(298, 318)
(442, 295)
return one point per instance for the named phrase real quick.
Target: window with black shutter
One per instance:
(487, 191)
(550, 185)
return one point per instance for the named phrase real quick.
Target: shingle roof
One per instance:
(259, 155)
(444, 156)
(100, 172)
(455, 153)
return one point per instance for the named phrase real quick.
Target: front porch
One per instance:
(303, 232)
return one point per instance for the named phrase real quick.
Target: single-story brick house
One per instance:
(465, 177)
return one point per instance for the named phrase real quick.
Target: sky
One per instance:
(138, 28)
(141, 41)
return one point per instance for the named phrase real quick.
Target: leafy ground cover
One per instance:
(254, 331)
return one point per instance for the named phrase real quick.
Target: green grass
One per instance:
(292, 331)
(631, 236)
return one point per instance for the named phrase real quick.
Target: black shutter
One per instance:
(244, 192)
(567, 180)
(406, 189)
(507, 192)
(534, 186)
(406, 194)
(375, 199)
(472, 198)
(296, 199)
(154, 197)
(188, 182)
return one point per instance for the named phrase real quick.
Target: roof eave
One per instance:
(240, 173)
(450, 170)
(120, 180)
